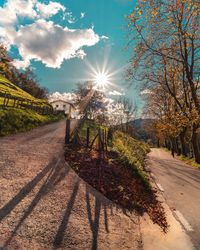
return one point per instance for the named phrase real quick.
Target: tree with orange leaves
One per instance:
(166, 39)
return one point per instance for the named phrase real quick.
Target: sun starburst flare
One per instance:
(103, 77)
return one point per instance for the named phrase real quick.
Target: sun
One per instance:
(103, 76)
(101, 79)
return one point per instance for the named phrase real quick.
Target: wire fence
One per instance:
(9, 100)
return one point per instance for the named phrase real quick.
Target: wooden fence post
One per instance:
(8, 99)
(103, 141)
(17, 103)
(99, 141)
(88, 137)
(106, 140)
(14, 102)
(4, 101)
(67, 132)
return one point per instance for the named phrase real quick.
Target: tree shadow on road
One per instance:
(63, 225)
(6, 209)
(94, 223)
(94, 219)
(57, 171)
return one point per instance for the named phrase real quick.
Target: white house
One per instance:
(65, 106)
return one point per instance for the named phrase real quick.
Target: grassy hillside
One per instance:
(13, 120)
(16, 120)
(7, 87)
(132, 153)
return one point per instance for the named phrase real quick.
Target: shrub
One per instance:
(132, 153)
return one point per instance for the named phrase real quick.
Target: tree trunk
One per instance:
(178, 151)
(182, 141)
(172, 147)
(158, 143)
(195, 144)
(168, 145)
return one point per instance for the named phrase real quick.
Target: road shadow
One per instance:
(63, 225)
(186, 173)
(94, 218)
(6, 209)
(57, 171)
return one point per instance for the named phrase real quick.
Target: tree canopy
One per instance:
(166, 58)
(26, 80)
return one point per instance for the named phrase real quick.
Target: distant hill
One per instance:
(140, 128)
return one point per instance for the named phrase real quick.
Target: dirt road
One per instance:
(45, 205)
(180, 184)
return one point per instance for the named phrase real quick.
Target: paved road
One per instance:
(181, 188)
(44, 205)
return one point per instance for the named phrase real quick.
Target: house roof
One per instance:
(59, 100)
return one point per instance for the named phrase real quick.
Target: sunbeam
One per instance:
(103, 76)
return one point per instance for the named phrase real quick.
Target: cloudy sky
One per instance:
(65, 40)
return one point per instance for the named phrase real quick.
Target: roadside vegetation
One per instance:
(12, 96)
(131, 153)
(23, 103)
(189, 161)
(17, 120)
(118, 172)
(13, 91)
(14, 120)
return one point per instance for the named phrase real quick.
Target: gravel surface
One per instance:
(45, 205)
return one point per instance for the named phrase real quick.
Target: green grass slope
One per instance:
(17, 120)
(131, 152)
(14, 120)
(7, 87)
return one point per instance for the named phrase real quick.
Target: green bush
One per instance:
(131, 152)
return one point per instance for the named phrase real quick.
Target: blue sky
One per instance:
(103, 21)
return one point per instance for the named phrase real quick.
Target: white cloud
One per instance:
(24, 8)
(50, 9)
(21, 64)
(82, 15)
(69, 17)
(104, 37)
(12, 9)
(113, 109)
(146, 92)
(7, 16)
(115, 112)
(7, 36)
(68, 97)
(51, 43)
(108, 101)
(115, 93)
